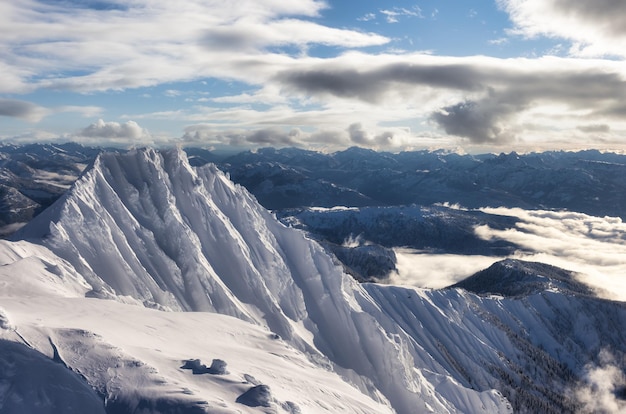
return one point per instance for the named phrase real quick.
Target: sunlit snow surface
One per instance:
(134, 355)
(147, 230)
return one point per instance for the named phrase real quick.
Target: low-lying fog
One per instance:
(593, 246)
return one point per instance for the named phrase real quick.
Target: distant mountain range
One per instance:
(400, 199)
(587, 181)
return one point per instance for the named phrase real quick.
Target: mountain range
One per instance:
(585, 181)
(406, 199)
(157, 284)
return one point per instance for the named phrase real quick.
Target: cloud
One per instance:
(596, 28)
(476, 100)
(380, 76)
(14, 78)
(360, 136)
(112, 45)
(357, 134)
(272, 136)
(367, 17)
(594, 128)
(373, 79)
(249, 35)
(35, 136)
(111, 132)
(107, 48)
(172, 93)
(394, 14)
(597, 392)
(27, 111)
(481, 122)
(499, 41)
(593, 246)
(485, 99)
(425, 270)
(328, 139)
(85, 111)
(34, 113)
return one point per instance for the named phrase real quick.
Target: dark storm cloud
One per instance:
(21, 109)
(487, 119)
(371, 85)
(494, 92)
(359, 135)
(481, 122)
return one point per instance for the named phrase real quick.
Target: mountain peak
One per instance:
(132, 226)
(511, 277)
(148, 228)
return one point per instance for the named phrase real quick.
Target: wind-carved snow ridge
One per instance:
(145, 226)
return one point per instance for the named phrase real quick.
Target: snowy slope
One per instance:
(130, 357)
(536, 349)
(148, 227)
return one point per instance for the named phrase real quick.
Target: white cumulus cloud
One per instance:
(595, 28)
(597, 392)
(111, 132)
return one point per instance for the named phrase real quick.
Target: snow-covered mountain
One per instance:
(516, 278)
(585, 181)
(297, 334)
(33, 176)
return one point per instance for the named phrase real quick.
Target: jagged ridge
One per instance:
(147, 225)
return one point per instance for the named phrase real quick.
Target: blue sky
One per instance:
(478, 75)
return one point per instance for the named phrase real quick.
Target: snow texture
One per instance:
(146, 228)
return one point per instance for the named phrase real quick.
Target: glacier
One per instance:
(153, 234)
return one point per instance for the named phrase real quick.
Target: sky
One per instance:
(470, 75)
